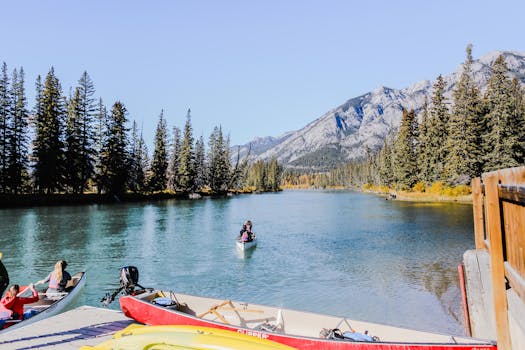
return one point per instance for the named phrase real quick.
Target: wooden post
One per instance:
(477, 204)
(494, 229)
(461, 273)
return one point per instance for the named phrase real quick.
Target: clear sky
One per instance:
(257, 68)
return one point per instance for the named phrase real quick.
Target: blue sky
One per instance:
(257, 68)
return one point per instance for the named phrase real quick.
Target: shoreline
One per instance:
(421, 197)
(397, 195)
(39, 200)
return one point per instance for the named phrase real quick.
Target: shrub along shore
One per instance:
(57, 199)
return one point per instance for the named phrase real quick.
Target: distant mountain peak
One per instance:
(344, 132)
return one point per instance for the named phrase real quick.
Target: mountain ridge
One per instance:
(343, 133)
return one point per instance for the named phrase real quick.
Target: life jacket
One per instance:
(245, 236)
(53, 282)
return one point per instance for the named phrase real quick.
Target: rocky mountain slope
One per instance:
(344, 132)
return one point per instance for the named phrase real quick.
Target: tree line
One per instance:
(449, 142)
(75, 145)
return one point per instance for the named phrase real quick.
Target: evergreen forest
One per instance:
(75, 145)
(447, 145)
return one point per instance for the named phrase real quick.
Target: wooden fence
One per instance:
(499, 226)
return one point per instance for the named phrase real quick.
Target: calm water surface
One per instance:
(341, 253)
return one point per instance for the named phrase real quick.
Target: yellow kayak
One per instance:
(135, 337)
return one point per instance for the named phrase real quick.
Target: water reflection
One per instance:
(344, 253)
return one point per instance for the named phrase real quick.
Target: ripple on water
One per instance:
(341, 253)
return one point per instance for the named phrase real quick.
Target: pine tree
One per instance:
(424, 148)
(48, 149)
(385, 168)
(17, 162)
(173, 164)
(405, 164)
(385, 164)
(463, 129)
(114, 158)
(218, 162)
(73, 151)
(501, 139)
(36, 123)
(200, 165)
(186, 169)
(159, 167)
(101, 134)
(87, 110)
(257, 176)
(438, 131)
(5, 118)
(273, 175)
(517, 122)
(137, 177)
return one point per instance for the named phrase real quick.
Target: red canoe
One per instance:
(301, 330)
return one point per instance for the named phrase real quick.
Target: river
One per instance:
(336, 252)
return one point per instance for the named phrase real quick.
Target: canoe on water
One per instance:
(49, 304)
(184, 337)
(243, 246)
(301, 330)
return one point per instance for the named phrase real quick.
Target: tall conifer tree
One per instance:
(159, 166)
(73, 150)
(200, 165)
(186, 170)
(18, 137)
(424, 147)
(218, 162)
(114, 157)
(87, 110)
(462, 162)
(386, 172)
(173, 164)
(518, 119)
(48, 149)
(137, 176)
(405, 164)
(101, 134)
(385, 164)
(5, 118)
(501, 138)
(273, 175)
(438, 131)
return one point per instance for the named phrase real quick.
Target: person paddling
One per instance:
(15, 303)
(246, 234)
(58, 278)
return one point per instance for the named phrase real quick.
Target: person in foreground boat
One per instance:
(13, 302)
(246, 234)
(57, 279)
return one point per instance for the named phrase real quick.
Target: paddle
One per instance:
(27, 288)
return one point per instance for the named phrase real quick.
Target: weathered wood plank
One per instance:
(516, 320)
(70, 330)
(494, 226)
(477, 206)
(480, 300)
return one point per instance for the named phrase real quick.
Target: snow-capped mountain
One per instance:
(344, 132)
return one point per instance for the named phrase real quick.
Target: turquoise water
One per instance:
(335, 252)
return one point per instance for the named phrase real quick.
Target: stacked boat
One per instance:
(297, 329)
(184, 337)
